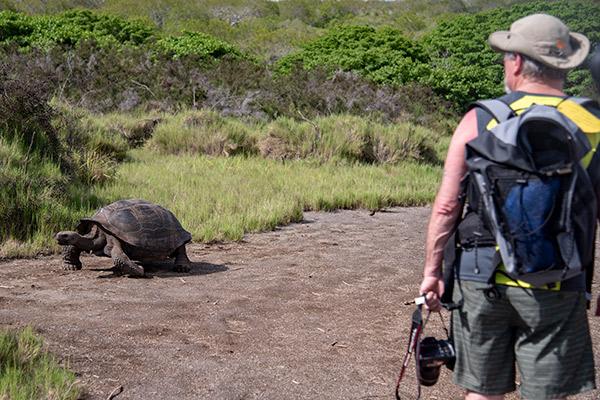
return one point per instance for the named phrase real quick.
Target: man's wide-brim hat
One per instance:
(543, 38)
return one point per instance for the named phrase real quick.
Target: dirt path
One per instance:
(310, 311)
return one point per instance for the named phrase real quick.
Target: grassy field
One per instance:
(29, 372)
(219, 198)
(221, 176)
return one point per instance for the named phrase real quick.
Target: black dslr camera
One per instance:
(431, 355)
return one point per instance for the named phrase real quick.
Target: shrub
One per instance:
(72, 27)
(383, 55)
(464, 67)
(196, 44)
(453, 59)
(47, 160)
(317, 92)
(26, 114)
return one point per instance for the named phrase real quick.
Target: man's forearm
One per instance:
(441, 225)
(447, 206)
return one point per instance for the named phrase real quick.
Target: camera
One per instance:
(434, 353)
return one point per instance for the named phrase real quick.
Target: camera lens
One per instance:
(430, 361)
(428, 376)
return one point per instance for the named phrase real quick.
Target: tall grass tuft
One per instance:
(28, 371)
(333, 138)
(204, 132)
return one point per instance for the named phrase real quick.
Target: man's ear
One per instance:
(518, 64)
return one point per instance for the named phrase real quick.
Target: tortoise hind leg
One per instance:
(182, 262)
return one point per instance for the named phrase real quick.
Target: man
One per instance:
(543, 331)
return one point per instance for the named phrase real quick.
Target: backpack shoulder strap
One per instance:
(583, 101)
(574, 108)
(496, 108)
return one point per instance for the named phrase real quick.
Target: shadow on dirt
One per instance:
(165, 270)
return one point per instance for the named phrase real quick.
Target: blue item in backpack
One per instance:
(527, 209)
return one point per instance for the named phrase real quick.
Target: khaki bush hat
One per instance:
(543, 38)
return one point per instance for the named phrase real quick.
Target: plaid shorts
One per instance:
(545, 333)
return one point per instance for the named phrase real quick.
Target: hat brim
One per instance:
(505, 41)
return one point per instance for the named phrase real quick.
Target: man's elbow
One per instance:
(446, 207)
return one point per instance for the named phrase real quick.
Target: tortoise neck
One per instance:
(96, 242)
(99, 241)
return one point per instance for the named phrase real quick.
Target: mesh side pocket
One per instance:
(529, 207)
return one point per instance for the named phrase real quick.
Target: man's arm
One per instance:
(446, 209)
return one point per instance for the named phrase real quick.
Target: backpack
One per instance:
(529, 188)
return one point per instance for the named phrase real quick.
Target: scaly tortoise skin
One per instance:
(128, 230)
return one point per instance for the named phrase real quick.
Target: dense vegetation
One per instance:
(371, 89)
(48, 160)
(443, 58)
(453, 58)
(267, 28)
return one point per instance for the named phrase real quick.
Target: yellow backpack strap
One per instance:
(522, 104)
(586, 121)
(528, 100)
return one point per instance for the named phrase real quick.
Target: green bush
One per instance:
(71, 27)
(453, 59)
(383, 55)
(464, 67)
(196, 44)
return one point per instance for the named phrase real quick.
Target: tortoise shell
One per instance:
(141, 224)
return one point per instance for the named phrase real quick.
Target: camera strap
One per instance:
(416, 330)
(413, 346)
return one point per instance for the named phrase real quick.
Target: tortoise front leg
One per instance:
(71, 258)
(71, 253)
(182, 262)
(120, 260)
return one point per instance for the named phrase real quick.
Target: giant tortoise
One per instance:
(128, 230)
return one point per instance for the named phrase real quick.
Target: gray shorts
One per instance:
(544, 332)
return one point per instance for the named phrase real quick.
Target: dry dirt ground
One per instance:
(313, 310)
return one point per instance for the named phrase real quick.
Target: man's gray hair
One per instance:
(537, 71)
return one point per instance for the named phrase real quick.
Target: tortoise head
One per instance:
(93, 240)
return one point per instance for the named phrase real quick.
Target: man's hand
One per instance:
(433, 288)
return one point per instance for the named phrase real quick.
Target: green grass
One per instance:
(219, 198)
(221, 176)
(339, 137)
(40, 195)
(29, 372)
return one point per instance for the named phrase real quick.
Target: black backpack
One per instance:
(528, 187)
